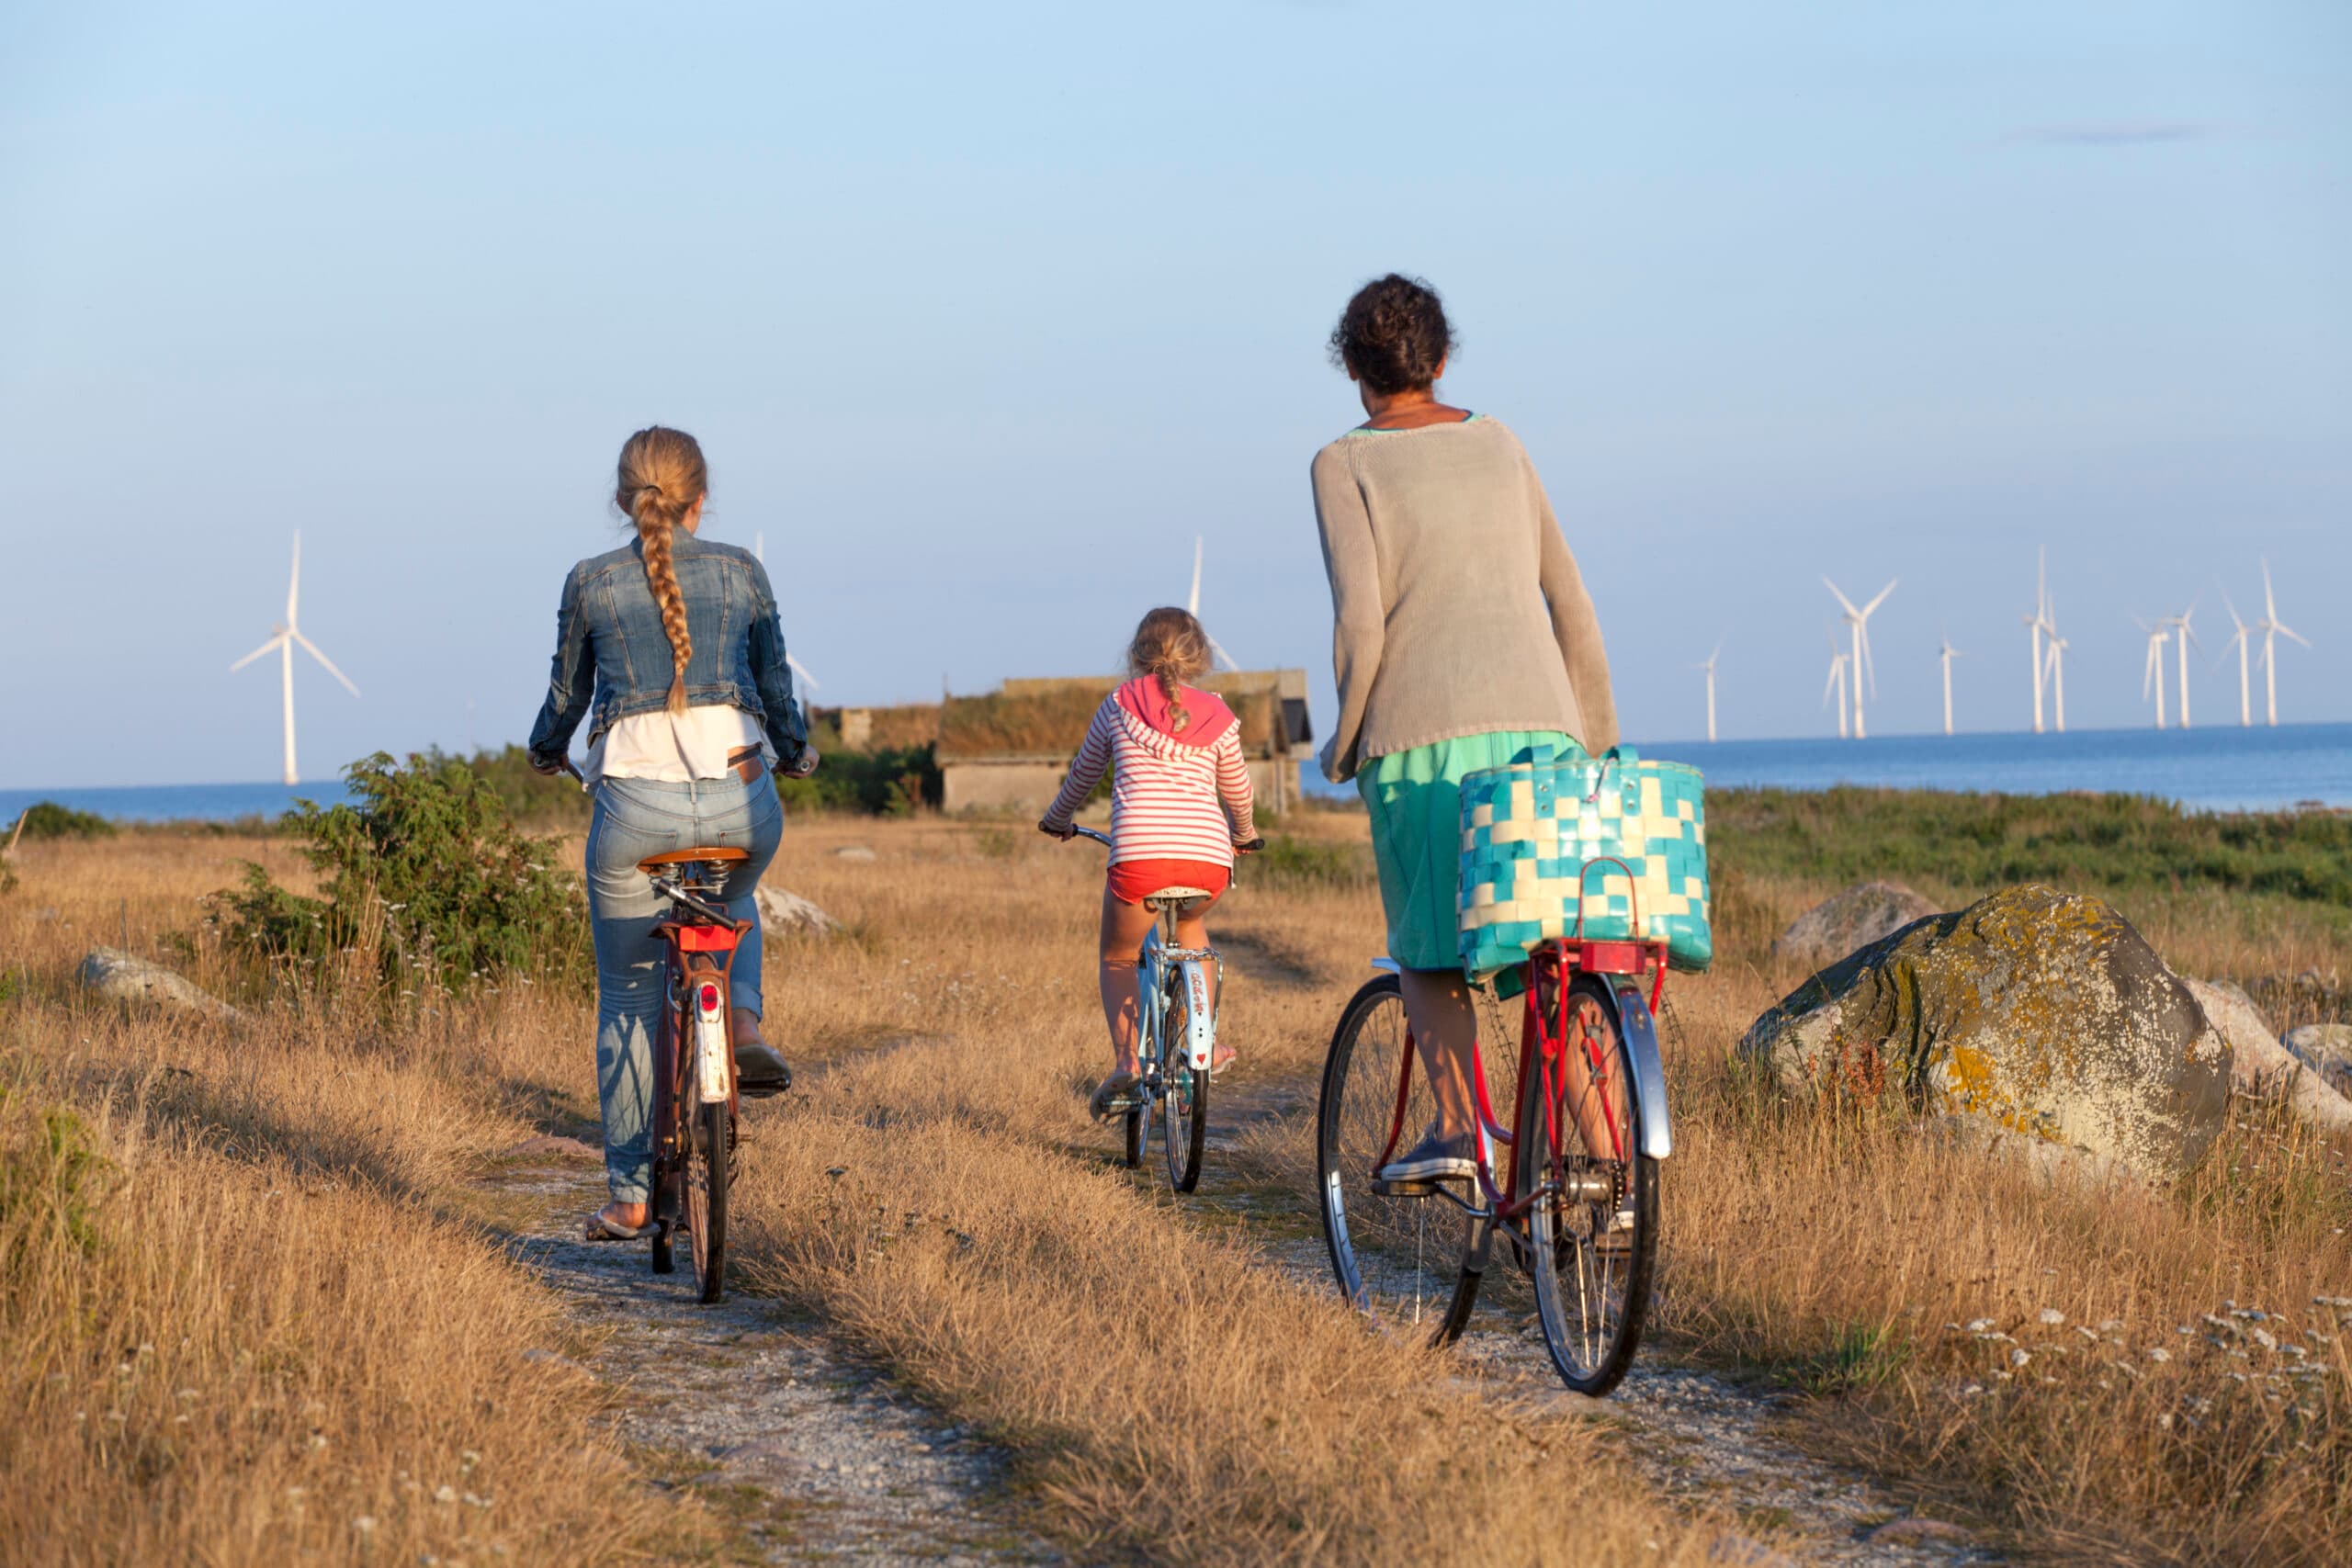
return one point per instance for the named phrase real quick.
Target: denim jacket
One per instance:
(609, 643)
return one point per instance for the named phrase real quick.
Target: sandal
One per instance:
(599, 1228)
(1114, 1095)
(1220, 1058)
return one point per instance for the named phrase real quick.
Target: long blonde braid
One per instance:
(663, 476)
(1171, 647)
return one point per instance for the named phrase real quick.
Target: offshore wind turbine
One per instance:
(2056, 652)
(1710, 668)
(760, 553)
(1949, 654)
(2038, 624)
(1218, 656)
(2241, 639)
(2186, 635)
(2152, 677)
(282, 642)
(2272, 628)
(1859, 623)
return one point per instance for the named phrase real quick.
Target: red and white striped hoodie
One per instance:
(1173, 795)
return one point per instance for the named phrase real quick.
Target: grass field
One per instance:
(250, 1314)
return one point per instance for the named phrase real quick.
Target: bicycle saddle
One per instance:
(686, 857)
(1176, 896)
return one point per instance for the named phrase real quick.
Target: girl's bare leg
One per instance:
(1446, 1032)
(1123, 927)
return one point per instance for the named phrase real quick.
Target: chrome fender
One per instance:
(1200, 1018)
(1638, 1029)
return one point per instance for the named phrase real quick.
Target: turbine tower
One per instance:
(2186, 635)
(1218, 656)
(282, 642)
(1858, 622)
(1949, 653)
(2054, 661)
(2242, 639)
(2152, 677)
(760, 553)
(1710, 668)
(2038, 624)
(2272, 628)
(1835, 684)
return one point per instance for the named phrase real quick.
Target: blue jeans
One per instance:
(637, 817)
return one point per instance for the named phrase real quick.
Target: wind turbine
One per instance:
(2038, 623)
(1710, 668)
(282, 642)
(2180, 623)
(1859, 621)
(2272, 627)
(1949, 653)
(1836, 683)
(2242, 639)
(2154, 675)
(2056, 654)
(1218, 656)
(760, 553)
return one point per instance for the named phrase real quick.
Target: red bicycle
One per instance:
(1577, 1197)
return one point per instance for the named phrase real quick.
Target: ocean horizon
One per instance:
(2215, 768)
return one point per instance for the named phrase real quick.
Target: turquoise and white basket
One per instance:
(1529, 830)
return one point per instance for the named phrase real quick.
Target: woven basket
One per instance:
(1530, 829)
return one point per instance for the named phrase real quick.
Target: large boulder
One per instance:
(1854, 919)
(784, 912)
(2039, 1011)
(2325, 1049)
(120, 977)
(2260, 1066)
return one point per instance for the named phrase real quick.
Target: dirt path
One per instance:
(1688, 1432)
(812, 1454)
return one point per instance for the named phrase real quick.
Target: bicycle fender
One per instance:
(713, 1054)
(1638, 1029)
(1200, 1021)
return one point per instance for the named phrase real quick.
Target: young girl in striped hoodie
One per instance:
(1180, 807)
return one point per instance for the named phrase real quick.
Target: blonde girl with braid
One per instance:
(1181, 809)
(670, 648)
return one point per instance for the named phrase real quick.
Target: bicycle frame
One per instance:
(693, 1038)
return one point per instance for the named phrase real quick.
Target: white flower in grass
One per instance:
(2051, 1317)
(364, 1524)
(2158, 1353)
(444, 1493)
(2020, 1356)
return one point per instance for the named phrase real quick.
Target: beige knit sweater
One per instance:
(1457, 609)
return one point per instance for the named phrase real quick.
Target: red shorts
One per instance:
(1132, 880)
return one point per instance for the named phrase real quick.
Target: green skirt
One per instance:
(1415, 798)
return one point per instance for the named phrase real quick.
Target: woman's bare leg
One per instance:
(1445, 1030)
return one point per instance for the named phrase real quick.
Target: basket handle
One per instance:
(1633, 927)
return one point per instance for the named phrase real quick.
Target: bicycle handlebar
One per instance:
(1248, 847)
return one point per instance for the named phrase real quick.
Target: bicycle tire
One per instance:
(663, 1198)
(1184, 1093)
(709, 1163)
(1405, 1262)
(1592, 1297)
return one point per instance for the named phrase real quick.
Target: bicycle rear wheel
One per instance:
(1593, 1235)
(1405, 1262)
(1184, 1094)
(708, 1165)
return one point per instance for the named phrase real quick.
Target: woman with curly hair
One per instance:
(1463, 637)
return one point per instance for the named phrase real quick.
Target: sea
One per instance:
(2219, 769)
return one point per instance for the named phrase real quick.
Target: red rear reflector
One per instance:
(710, 997)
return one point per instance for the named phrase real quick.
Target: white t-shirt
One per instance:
(670, 748)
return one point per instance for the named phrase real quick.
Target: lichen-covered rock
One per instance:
(2263, 1069)
(125, 977)
(783, 911)
(2041, 1012)
(2325, 1049)
(1861, 915)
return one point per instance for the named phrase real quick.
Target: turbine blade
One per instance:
(1881, 598)
(1849, 604)
(1194, 603)
(2270, 601)
(312, 649)
(294, 583)
(270, 647)
(802, 671)
(1218, 654)
(2232, 609)
(2292, 632)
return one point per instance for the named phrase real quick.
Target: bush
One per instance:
(529, 795)
(894, 782)
(1292, 862)
(425, 868)
(47, 819)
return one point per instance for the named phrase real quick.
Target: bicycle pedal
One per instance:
(1416, 1187)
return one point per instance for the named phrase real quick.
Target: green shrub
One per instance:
(426, 864)
(47, 819)
(1291, 863)
(529, 797)
(893, 782)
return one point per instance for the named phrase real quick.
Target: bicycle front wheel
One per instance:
(708, 1167)
(1184, 1093)
(1404, 1261)
(1592, 1236)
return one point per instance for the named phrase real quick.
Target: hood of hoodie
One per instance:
(1143, 700)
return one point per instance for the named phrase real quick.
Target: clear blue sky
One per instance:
(982, 313)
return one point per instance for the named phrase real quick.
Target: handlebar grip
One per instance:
(1252, 846)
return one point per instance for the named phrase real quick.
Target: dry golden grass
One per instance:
(1164, 1387)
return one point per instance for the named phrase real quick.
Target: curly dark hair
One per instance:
(1394, 336)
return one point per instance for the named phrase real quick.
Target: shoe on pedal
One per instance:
(760, 1069)
(1435, 1158)
(1114, 1095)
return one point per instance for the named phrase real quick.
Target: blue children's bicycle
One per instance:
(1179, 990)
